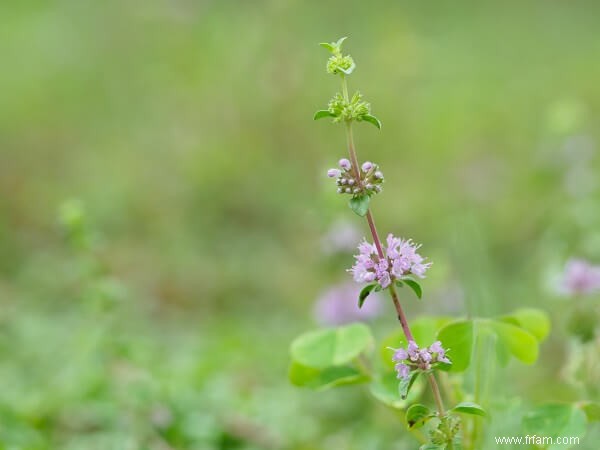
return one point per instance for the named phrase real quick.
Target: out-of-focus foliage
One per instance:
(155, 311)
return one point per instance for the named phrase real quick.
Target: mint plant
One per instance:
(430, 349)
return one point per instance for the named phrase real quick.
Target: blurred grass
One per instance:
(185, 128)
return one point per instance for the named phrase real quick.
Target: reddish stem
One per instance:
(401, 316)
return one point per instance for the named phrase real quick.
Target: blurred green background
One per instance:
(180, 135)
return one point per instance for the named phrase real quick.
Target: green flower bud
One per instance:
(339, 63)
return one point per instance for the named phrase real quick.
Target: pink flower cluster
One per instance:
(414, 357)
(401, 259)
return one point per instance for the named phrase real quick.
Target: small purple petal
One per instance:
(403, 370)
(400, 355)
(436, 347)
(425, 355)
(334, 173)
(384, 280)
(413, 350)
(345, 164)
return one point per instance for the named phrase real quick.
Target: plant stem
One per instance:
(377, 241)
(373, 229)
(352, 151)
(437, 395)
(401, 315)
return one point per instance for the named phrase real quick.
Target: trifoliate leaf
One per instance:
(458, 338)
(555, 420)
(591, 410)
(522, 344)
(533, 320)
(331, 346)
(321, 379)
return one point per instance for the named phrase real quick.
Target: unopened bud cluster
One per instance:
(338, 63)
(369, 181)
(446, 431)
(348, 110)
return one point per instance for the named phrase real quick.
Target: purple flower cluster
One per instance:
(337, 306)
(369, 180)
(401, 259)
(581, 277)
(341, 237)
(414, 357)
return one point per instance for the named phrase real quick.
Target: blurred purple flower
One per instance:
(339, 305)
(580, 277)
(341, 237)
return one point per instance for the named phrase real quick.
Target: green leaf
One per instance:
(457, 337)
(340, 41)
(555, 420)
(470, 408)
(360, 204)
(385, 389)
(417, 415)
(323, 113)
(328, 46)
(365, 293)
(372, 119)
(321, 379)
(333, 47)
(431, 447)
(522, 344)
(532, 320)
(591, 410)
(416, 287)
(332, 346)
(406, 383)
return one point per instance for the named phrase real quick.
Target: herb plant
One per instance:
(429, 354)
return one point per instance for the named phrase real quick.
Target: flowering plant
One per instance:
(428, 350)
